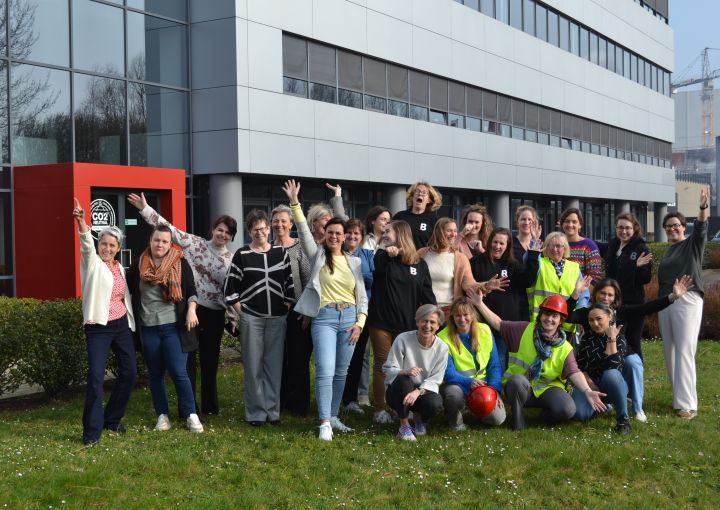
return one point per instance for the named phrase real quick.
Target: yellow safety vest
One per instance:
(463, 359)
(552, 368)
(549, 284)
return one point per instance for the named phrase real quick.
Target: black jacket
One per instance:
(188, 339)
(624, 268)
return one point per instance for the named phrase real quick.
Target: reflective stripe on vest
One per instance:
(552, 368)
(463, 359)
(548, 284)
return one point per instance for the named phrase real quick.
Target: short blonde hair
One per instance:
(316, 212)
(552, 236)
(435, 198)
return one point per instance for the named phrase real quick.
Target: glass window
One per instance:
(531, 116)
(350, 71)
(502, 9)
(541, 22)
(555, 123)
(40, 31)
(619, 60)
(397, 108)
(584, 44)
(157, 50)
(666, 83)
(473, 4)
(4, 178)
(568, 122)
(159, 122)
(516, 14)
(171, 8)
(295, 57)
(374, 77)
(596, 136)
(518, 113)
(504, 109)
(418, 112)
(544, 119)
(6, 251)
(375, 103)
(602, 52)
(489, 105)
(99, 120)
(321, 64)
(626, 64)
(350, 98)
(593, 48)
(641, 71)
(457, 97)
(473, 124)
(324, 93)
(574, 38)
(41, 115)
(438, 93)
(529, 16)
(633, 67)
(586, 130)
(437, 117)
(456, 120)
(474, 102)
(518, 133)
(487, 7)
(397, 78)
(564, 33)
(98, 37)
(611, 56)
(552, 21)
(4, 118)
(295, 87)
(419, 88)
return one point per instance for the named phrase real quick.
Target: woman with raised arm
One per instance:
(335, 299)
(476, 227)
(108, 323)
(628, 261)
(414, 370)
(541, 363)
(680, 324)
(319, 214)
(164, 304)
(210, 262)
(583, 250)
(401, 284)
(528, 228)
(423, 201)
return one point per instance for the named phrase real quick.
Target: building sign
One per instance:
(102, 214)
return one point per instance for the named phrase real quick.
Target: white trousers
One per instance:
(680, 327)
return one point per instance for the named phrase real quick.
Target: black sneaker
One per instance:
(119, 428)
(623, 426)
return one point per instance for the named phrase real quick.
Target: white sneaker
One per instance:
(382, 417)
(336, 424)
(640, 416)
(163, 423)
(326, 432)
(354, 407)
(364, 400)
(193, 423)
(460, 427)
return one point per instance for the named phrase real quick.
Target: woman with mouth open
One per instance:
(423, 201)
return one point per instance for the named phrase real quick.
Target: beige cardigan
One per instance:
(462, 279)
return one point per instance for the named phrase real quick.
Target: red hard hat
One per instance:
(555, 303)
(481, 401)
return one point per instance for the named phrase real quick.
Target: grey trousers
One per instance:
(557, 405)
(454, 403)
(262, 341)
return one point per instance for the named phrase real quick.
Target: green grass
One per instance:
(667, 461)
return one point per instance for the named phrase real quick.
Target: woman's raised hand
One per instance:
(581, 286)
(536, 231)
(613, 330)
(335, 189)
(681, 286)
(497, 282)
(644, 259)
(704, 197)
(292, 190)
(138, 200)
(79, 215)
(392, 251)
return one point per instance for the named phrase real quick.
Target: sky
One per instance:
(696, 25)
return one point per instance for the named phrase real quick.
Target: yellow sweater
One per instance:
(339, 287)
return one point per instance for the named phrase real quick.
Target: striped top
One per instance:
(586, 253)
(261, 281)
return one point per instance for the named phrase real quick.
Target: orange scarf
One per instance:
(168, 275)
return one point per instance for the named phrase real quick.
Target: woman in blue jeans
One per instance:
(335, 298)
(108, 322)
(164, 303)
(600, 357)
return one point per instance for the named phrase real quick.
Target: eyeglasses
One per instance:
(422, 192)
(623, 228)
(675, 226)
(259, 230)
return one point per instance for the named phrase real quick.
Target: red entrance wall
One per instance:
(47, 250)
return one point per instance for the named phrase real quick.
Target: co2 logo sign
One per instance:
(102, 214)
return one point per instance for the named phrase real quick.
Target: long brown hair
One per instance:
(328, 255)
(507, 256)
(463, 305)
(404, 242)
(487, 223)
(438, 241)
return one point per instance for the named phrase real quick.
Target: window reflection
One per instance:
(98, 37)
(157, 50)
(171, 8)
(6, 266)
(41, 115)
(40, 31)
(4, 119)
(99, 120)
(158, 126)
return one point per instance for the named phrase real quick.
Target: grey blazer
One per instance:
(309, 302)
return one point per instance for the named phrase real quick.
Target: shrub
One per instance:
(15, 315)
(710, 326)
(711, 256)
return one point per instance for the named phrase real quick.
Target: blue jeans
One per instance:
(333, 353)
(612, 383)
(633, 372)
(116, 335)
(162, 350)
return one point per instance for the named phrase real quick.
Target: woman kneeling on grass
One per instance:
(541, 362)
(473, 361)
(414, 370)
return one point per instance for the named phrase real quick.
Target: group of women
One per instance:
(561, 328)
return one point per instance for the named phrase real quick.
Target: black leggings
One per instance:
(428, 405)
(210, 331)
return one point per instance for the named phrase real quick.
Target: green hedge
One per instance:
(711, 257)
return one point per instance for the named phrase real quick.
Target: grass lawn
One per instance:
(664, 462)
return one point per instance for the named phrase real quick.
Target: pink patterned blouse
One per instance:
(117, 295)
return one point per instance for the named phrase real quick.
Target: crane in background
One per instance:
(708, 99)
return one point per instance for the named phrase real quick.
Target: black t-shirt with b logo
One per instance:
(420, 224)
